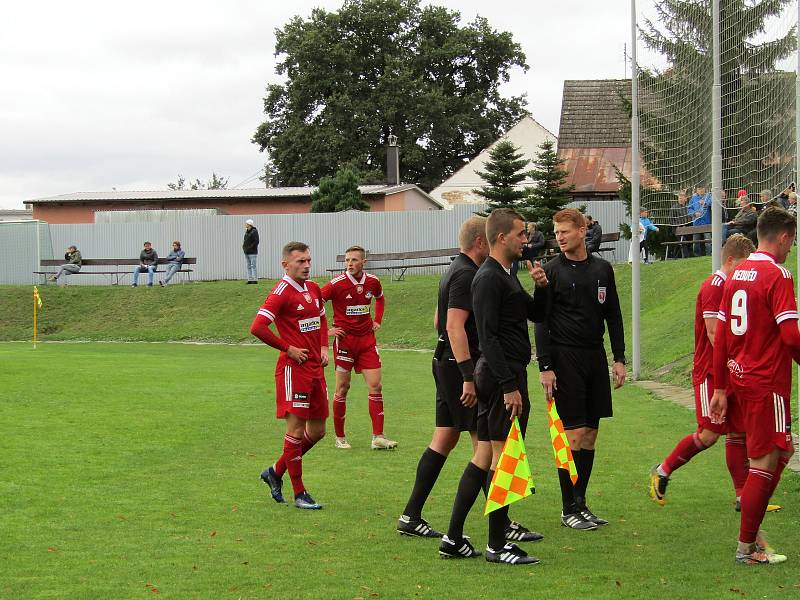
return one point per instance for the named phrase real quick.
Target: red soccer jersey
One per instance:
(706, 307)
(758, 297)
(297, 312)
(351, 300)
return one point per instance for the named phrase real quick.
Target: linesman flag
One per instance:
(37, 297)
(561, 448)
(512, 479)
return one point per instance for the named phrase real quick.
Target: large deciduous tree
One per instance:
(376, 68)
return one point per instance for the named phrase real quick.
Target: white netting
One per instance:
(758, 63)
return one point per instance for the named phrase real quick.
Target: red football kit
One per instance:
(351, 299)
(750, 353)
(299, 315)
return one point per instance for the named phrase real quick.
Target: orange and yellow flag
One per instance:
(512, 479)
(561, 448)
(37, 297)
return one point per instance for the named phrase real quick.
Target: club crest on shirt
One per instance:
(601, 294)
(360, 289)
(307, 296)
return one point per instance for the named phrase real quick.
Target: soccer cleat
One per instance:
(460, 549)
(510, 554)
(658, 486)
(161, 283)
(770, 507)
(381, 442)
(416, 528)
(759, 557)
(591, 517)
(274, 482)
(763, 544)
(342, 443)
(577, 521)
(304, 500)
(516, 532)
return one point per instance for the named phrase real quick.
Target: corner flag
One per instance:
(561, 448)
(512, 479)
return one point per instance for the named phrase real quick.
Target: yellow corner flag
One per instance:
(561, 448)
(512, 479)
(37, 303)
(37, 297)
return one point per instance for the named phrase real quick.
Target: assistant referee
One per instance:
(581, 297)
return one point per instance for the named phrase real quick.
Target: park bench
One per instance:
(397, 263)
(551, 246)
(110, 267)
(689, 231)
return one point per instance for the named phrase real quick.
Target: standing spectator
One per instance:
(72, 266)
(645, 225)
(745, 220)
(148, 261)
(679, 215)
(792, 200)
(594, 235)
(250, 247)
(700, 212)
(174, 262)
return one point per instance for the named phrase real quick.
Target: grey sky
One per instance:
(127, 95)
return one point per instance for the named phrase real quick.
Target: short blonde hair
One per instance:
(737, 246)
(471, 229)
(294, 247)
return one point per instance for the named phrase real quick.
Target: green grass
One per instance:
(128, 467)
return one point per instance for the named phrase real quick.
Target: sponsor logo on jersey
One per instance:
(735, 368)
(368, 295)
(601, 294)
(300, 307)
(348, 297)
(307, 325)
(307, 296)
(360, 289)
(749, 275)
(358, 309)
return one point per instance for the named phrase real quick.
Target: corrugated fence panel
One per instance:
(609, 213)
(22, 245)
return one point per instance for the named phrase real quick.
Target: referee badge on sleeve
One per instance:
(601, 294)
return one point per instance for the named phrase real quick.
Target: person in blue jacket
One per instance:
(645, 225)
(700, 212)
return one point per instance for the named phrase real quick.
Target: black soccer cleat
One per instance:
(516, 532)
(588, 514)
(416, 528)
(304, 500)
(510, 554)
(274, 482)
(457, 549)
(575, 520)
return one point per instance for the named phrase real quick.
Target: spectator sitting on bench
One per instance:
(530, 249)
(174, 262)
(679, 215)
(594, 235)
(745, 220)
(700, 212)
(645, 226)
(72, 266)
(148, 260)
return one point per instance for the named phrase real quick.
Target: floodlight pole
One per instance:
(636, 255)
(716, 156)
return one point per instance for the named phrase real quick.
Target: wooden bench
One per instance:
(398, 271)
(112, 267)
(688, 231)
(551, 246)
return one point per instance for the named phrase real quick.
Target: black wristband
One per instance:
(467, 368)
(545, 364)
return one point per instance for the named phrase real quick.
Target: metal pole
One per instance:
(716, 156)
(635, 202)
(797, 148)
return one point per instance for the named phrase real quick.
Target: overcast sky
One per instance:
(127, 95)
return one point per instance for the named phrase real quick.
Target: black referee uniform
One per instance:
(580, 298)
(502, 309)
(454, 292)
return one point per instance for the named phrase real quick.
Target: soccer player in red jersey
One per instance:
(754, 345)
(735, 251)
(351, 294)
(296, 307)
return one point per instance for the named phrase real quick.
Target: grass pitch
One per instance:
(128, 470)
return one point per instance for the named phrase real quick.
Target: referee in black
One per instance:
(502, 309)
(580, 298)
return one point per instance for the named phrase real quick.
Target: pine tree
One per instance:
(549, 193)
(505, 171)
(338, 193)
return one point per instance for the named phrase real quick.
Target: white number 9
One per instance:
(739, 312)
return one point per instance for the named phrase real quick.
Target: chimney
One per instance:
(392, 162)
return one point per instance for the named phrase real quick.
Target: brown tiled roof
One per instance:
(592, 115)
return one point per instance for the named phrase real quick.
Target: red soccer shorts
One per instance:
(767, 420)
(300, 391)
(357, 352)
(703, 393)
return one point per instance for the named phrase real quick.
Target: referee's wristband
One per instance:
(545, 364)
(467, 368)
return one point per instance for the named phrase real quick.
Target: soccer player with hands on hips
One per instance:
(296, 307)
(754, 344)
(354, 346)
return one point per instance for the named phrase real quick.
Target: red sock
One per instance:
(305, 445)
(293, 455)
(755, 497)
(736, 459)
(376, 413)
(339, 409)
(776, 475)
(682, 453)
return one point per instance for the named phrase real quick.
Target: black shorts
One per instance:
(583, 386)
(494, 421)
(449, 386)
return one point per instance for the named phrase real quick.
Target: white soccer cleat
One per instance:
(342, 443)
(381, 442)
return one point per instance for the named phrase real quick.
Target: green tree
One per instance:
(549, 193)
(376, 68)
(215, 183)
(675, 111)
(505, 171)
(338, 193)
